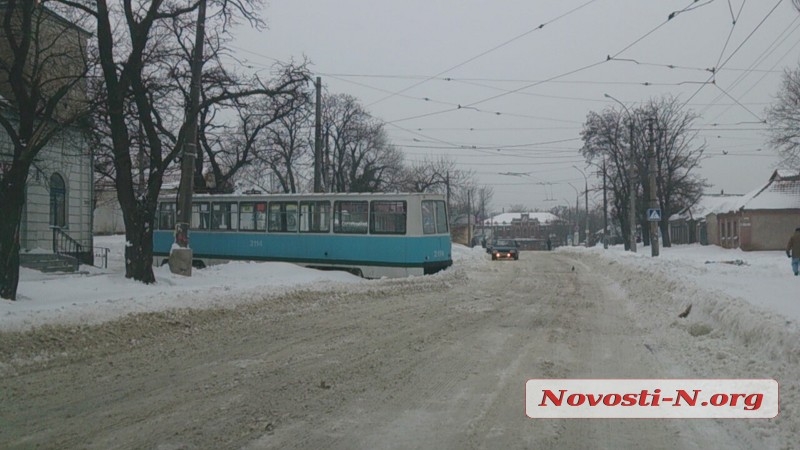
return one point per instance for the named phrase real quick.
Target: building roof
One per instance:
(544, 218)
(708, 204)
(782, 191)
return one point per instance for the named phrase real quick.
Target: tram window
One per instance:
(282, 217)
(350, 217)
(428, 217)
(315, 217)
(253, 216)
(200, 215)
(166, 216)
(388, 217)
(224, 216)
(441, 217)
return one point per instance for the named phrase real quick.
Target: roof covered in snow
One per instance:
(707, 204)
(782, 191)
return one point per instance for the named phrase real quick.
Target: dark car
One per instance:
(504, 249)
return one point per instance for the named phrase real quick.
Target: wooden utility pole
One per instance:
(180, 259)
(632, 189)
(605, 208)
(318, 139)
(653, 194)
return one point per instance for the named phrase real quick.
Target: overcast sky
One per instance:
(543, 65)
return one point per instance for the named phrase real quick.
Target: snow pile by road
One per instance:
(745, 291)
(744, 321)
(99, 295)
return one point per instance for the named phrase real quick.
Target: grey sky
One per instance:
(493, 57)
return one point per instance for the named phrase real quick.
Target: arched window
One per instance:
(58, 201)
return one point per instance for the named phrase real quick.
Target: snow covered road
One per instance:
(432, 362)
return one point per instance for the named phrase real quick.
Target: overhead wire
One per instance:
(486, 52)
(720, 66)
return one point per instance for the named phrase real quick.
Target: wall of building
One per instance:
(770, 229)
(69, 156)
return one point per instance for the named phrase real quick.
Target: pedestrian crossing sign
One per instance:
(653, 214)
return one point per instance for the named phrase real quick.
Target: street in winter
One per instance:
(327, 360)
(379, 225)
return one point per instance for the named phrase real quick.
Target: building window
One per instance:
(58, 201)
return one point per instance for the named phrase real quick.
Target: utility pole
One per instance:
(605, 208)
(447, 187)
(180, 258)
(469, 217)
(586, 204)
(586, 199)
(632, 190)
(653, 196)
(577, 238)
(318, 139)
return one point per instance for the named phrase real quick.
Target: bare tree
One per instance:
(678, 154)
(607, 136)
(616, 138)
(431, 175)
(783, 119)
(143, 49)
(286, 148)
(361, 158)
(41, 69)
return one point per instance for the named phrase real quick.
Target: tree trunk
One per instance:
(139, 244)
(12, 197)
(666, 240)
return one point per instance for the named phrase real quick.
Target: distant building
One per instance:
(762, 219)
(530, 229)
(691, 226)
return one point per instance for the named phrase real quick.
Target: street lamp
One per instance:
(586, 199)
(631, 186)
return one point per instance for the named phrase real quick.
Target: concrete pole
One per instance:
(318, 138)
(180, 258)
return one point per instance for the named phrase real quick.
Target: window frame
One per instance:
(287, 220)
(170, 210)
(315, 209)
(340, 225)
(255, 216)
(377, 217)
(228, 214)
(200, 218)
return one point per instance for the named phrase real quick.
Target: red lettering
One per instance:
(612, 399)
(718, 399)
(628, 399)
(683, 395)
(594, 400)
(735, 398)
(576, 399)
(549, 395)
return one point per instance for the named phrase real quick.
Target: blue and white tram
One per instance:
(372, 235)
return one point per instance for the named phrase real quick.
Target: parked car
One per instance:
(504, 249)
